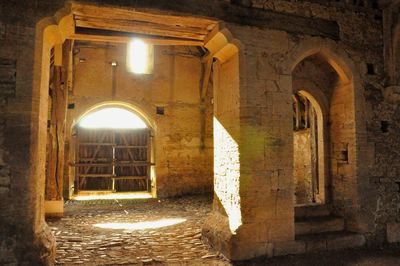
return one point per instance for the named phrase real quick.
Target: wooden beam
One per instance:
(207, 67)
(314, 153)
(306, 112)
(213, 30)
(140, 27)
(132, 14)
(126, 39)
(297, 111)
(195, 29)
(206, 77)
(56, 135)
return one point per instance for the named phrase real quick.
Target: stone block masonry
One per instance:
(253, 207)
(4, 168)
(8, 72)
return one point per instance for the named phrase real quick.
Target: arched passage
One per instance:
(163, 88)
(113, 151)
(328, 74)
(64, 26)
(309, 148)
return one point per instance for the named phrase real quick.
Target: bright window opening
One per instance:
(114, 118)
(113, 196)
(140, 57)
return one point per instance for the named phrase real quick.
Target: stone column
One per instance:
(253, 211)
(24, 235)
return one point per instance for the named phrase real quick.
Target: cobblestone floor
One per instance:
(79, 241)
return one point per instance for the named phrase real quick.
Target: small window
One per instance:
(371, 69)
(140, 57)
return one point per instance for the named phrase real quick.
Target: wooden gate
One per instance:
(115, 160)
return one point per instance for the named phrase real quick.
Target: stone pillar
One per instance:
(25, 238)
(253, 208)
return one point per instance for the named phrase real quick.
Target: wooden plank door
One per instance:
(115, 160)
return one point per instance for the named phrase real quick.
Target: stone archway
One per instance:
(347, 134)
(52, 32)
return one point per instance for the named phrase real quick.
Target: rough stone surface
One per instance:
(393, 232)
(317, 225)
(79, 241)
(289, 248)
(363, 257)
(253, 181)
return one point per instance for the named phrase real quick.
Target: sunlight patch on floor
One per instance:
(141, 225)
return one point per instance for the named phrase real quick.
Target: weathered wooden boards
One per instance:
(119, 25)
(58, 100)
(113, 159)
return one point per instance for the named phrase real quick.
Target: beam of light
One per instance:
(139, 57)
(227, 174)
(142, 225)
(114, 196)
(113, 117)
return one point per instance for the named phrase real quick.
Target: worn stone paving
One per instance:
(79, 241)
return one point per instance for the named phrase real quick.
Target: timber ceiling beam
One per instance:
(168, 28)
(126, 39)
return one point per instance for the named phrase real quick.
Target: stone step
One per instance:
(312, 211)
(331, 241)
(316, 225)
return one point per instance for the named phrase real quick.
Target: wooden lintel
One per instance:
(126, 39)
(212, 32)
(207, 67)
(206, 77)
(141, 28)
(132, 14)
(158, 25)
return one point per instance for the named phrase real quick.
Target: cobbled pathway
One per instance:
(79, 241)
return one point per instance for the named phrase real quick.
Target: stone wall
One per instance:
(23, 233)
(271, 47)
(266, 89)
(182, 166)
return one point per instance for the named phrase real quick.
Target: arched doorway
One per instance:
(322, 79)
(113, 151)
(308, 149)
